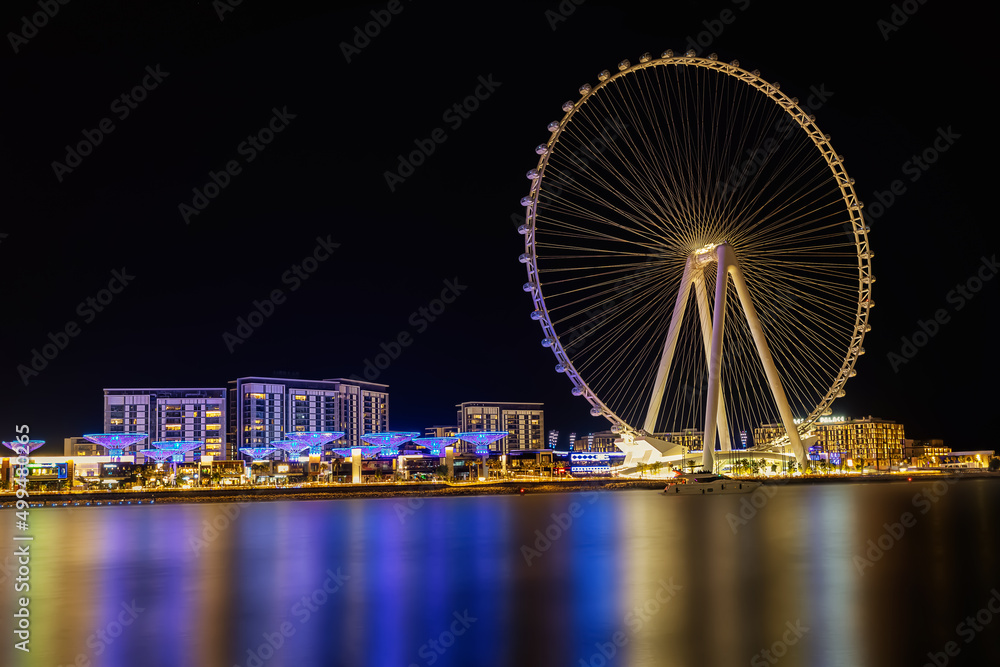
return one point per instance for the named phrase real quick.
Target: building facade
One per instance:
(440, 431)
(170, 414)
(867, 441)
(525, 422)
(80, 446)
(928, 450)
(262, 410)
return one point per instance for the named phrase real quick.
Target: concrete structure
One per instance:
(712, 333)
(262, 409)
(195, 413)
(525, 422)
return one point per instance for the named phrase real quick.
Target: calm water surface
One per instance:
(611, 578)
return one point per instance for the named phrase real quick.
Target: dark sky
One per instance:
(218, 81)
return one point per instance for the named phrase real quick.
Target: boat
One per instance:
(701, 483)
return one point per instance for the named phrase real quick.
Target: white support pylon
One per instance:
(693, 275)
(728, 266)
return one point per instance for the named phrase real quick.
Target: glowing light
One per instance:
(115, 440)
(177, 448)
(293, 448)
(436, 445)
(314, 439)
(257, 453)
(389, 441)
(31, 445)
(482, 439)
(158, 455)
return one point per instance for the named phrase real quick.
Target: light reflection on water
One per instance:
(636, 579)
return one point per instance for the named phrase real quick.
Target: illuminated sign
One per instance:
(826, 420)
(61, 470)
(589, 457)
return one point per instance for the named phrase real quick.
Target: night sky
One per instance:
(342, 113)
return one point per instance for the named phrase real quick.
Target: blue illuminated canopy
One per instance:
(389, 441)
(158, 455)
(314, 439)
(482, 439)
(32, 445)
(118, 441)
(257, 453)
(436, 445)
(293, 448)
(177, 448)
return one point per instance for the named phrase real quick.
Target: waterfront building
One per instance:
(553, 439)
(170, 414)
(262, 410)
(64, 473)
(924, 451)
(525, 422)
(870, 441)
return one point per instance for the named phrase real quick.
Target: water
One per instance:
(622, 578)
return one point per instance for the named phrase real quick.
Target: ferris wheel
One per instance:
(696, 253)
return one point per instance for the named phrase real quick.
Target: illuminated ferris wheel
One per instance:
(696, 253)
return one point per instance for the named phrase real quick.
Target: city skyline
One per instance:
(305, 305)
(295, 264)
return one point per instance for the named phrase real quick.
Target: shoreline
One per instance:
(430, 489)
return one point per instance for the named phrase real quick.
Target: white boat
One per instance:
(702, 483)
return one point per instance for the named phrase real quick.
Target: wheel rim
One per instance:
(655, 161)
